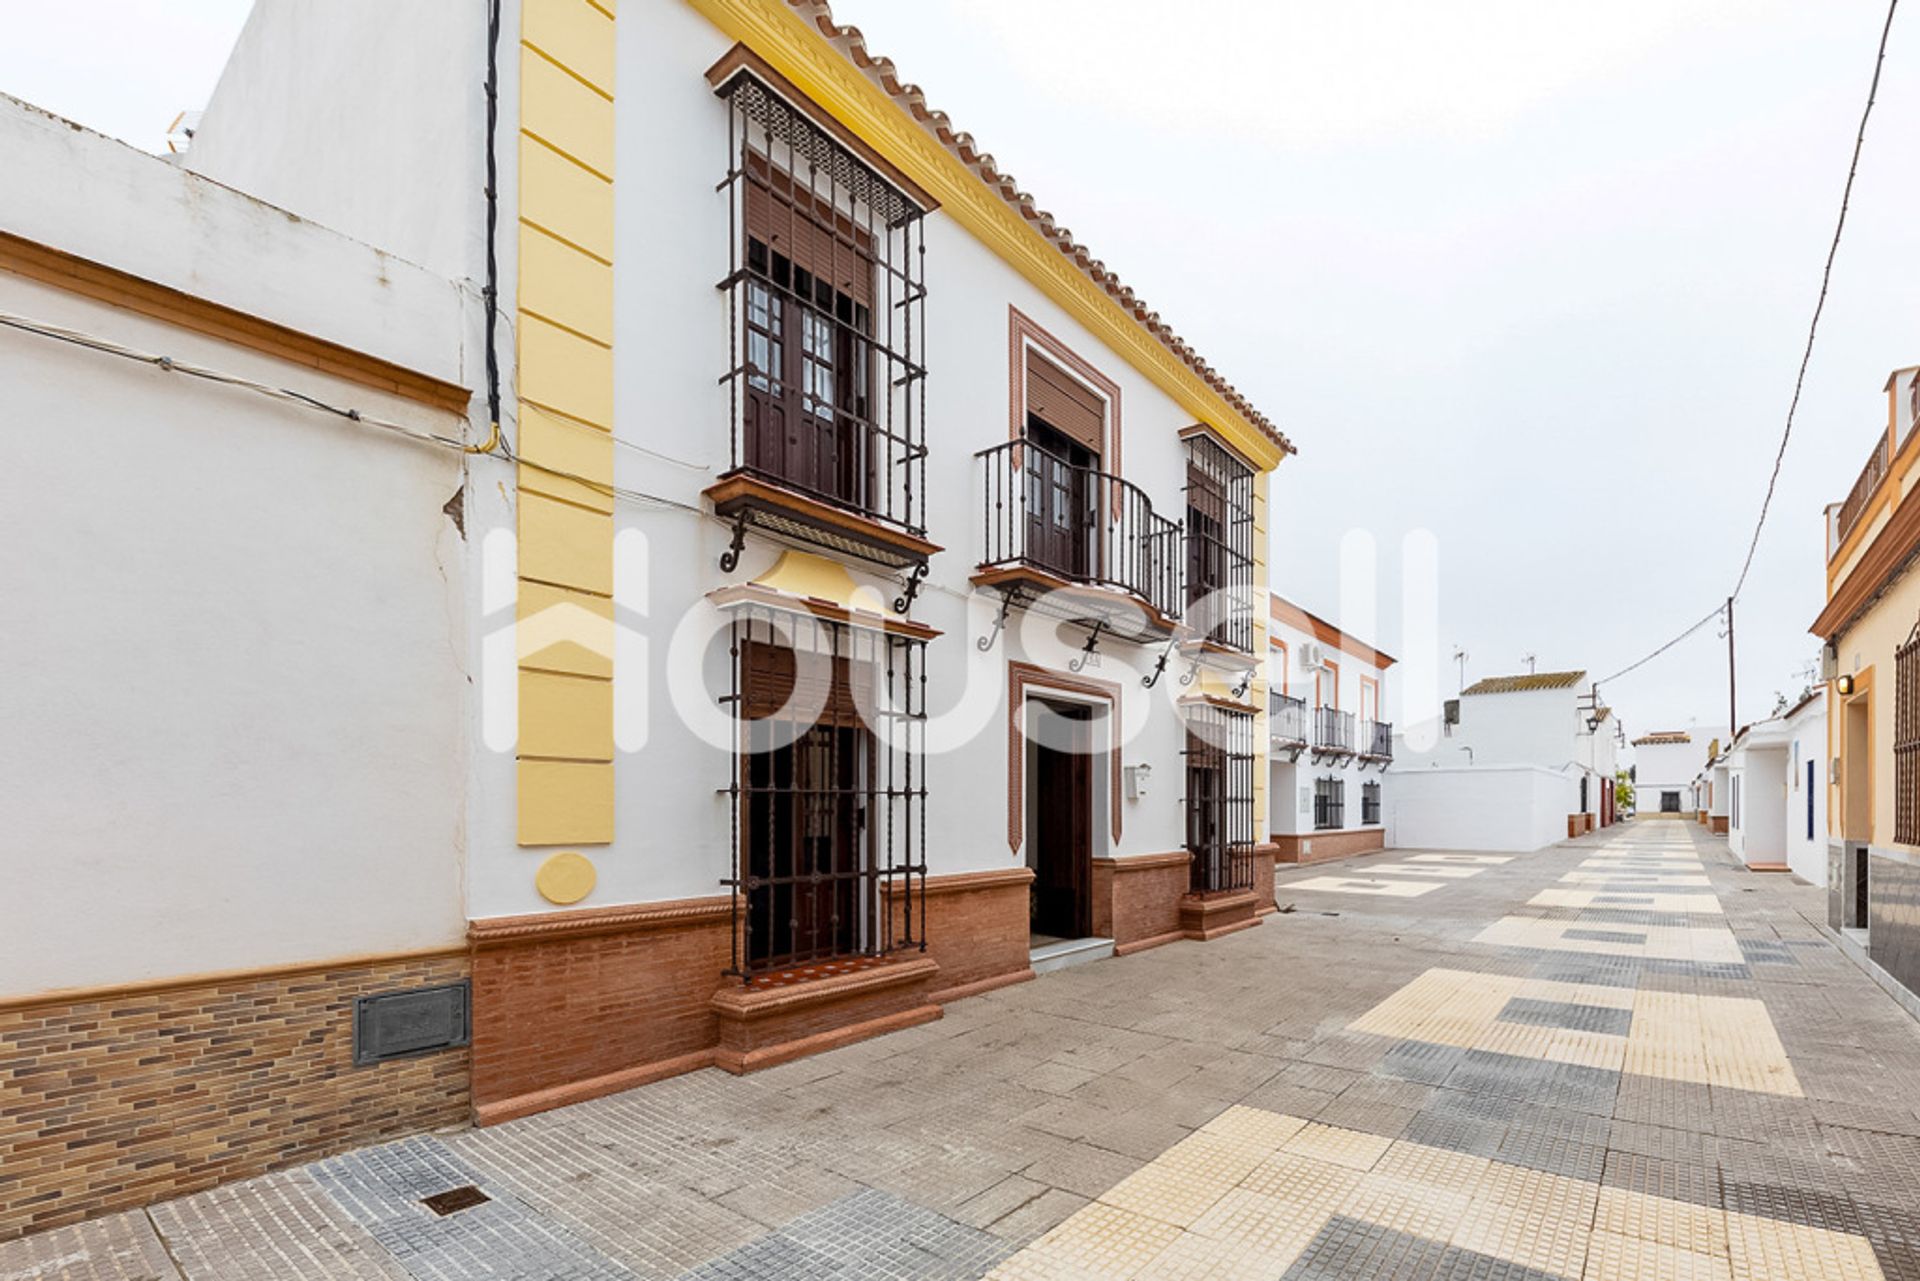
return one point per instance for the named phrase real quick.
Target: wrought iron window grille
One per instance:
(826, 368)
(1219, 532)
(828, 792)
(1220, 764)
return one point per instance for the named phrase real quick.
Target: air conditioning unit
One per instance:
(1829, 662)
(1313, 656)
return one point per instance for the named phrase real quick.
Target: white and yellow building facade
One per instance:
(847, 596)
(1871, 664)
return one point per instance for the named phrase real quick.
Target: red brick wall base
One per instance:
(1718, 824)
(1205, 917)
(976, 928)
(574, 1005)
(767, 1024)
(124, 1097)
(1318, 847)
(1136, 901)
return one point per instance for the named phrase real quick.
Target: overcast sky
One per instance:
(1534, 277)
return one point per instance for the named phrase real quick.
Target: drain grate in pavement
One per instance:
(454, 1200)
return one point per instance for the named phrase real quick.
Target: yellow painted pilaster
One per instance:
(564, 324)
(1262, 612)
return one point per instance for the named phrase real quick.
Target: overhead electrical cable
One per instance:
(1806, 355)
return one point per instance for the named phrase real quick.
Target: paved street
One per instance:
(1622, 1057)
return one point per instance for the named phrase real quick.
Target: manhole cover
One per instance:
(454, 1200)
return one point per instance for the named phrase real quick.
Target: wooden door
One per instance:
(1059, 501)
(1062, 801)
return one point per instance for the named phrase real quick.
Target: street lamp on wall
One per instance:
(1843, 685)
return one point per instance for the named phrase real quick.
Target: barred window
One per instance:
(1329, 803)
(829, 791)
(1220, 764)
(827, 305)
(1906, 741)
(1370, 804)
(1220, 542)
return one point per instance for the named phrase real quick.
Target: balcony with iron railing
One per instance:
(1847, 515)
(1077, 542)
(1286, 720)
(1376, 740)
(1333, 732)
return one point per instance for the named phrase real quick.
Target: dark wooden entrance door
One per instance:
(1062, 807)
(1060, 501)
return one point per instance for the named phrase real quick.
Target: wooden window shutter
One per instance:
(1065, 403)
(770, 672)
(797, 223)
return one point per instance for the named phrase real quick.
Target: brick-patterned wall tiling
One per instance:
(126, 1099)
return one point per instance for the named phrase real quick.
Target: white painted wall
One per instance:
(1669, 767)
(363, 115)
(235, 731)
(1806, 818)
(1482, 807)
(1758, 776)
(1546, 729)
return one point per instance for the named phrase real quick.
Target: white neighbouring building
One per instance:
(1776, 791)
(1329, 743)
(1667, 767)
(1522, 761)
(855, 595)
(235, 782)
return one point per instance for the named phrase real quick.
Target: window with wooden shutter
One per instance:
(829, 791)
(1219, 543)
(1065, 404)
(827, 308)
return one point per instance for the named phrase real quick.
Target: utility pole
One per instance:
(1733, 713)
(1460, 657)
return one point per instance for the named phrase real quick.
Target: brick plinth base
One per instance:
(121, 1098)
(976, 929)
(772, 1023)
(573, 1005)
(1136, 901)
(1717, 824)
(1205, 917)
(1318, 847)
(1263, 900)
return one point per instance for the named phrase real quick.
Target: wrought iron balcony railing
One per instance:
(1332, 731)
(1376, 740)
(1078, 524)
(1854, 507)
(1286, 719)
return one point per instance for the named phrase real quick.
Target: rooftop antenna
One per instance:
(1460, 657)
(1531, 661)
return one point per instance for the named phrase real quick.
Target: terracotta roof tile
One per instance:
(1665, 736)
(853, 46)
(1526, 683)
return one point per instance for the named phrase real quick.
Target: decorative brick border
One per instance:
(1024, 676)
